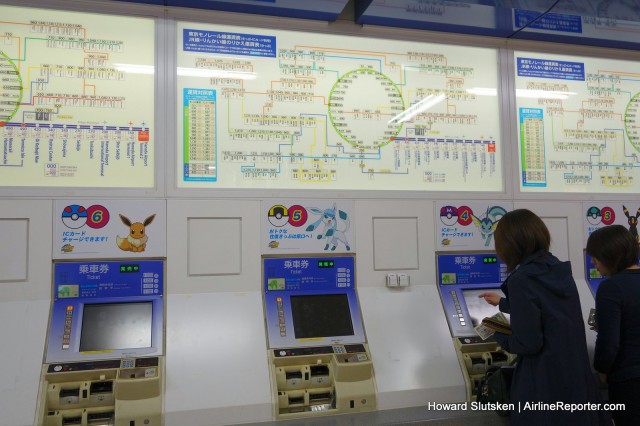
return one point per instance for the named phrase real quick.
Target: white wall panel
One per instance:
(16, 233)
(216, 360)
(395, 243)
(216, 350)
(413, 355)
(395, 235)
(213, 246)
(25, 294)
(414, 360)
(26, 249)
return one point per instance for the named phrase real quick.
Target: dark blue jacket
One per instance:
(618, 315)
(549, 339)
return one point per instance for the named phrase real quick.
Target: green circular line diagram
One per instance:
(362, 104)
(632, 121)
(11, 85)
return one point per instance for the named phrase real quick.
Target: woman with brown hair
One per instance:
(614, 251)
(548, 333)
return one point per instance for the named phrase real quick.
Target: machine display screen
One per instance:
(321, 315)
(109, 326)
(478, 308)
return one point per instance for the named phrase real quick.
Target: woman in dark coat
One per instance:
(614, 250)
(548, 333)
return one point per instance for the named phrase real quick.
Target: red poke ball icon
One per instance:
(74, 216)
(97, 216)
(465, 215)
(297, 215)
(608, 215)
(448, 215)
(278, 215)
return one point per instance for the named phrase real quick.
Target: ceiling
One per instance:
(605, 23)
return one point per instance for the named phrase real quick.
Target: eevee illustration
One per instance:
(137, 239)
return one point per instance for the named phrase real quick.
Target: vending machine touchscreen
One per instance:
(320, 361)
(462, 278)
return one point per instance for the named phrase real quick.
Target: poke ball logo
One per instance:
(295, 215)
(450, 215)
(595, 216)
(75, 216)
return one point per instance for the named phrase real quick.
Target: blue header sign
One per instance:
(108, 279)
(227, 43)
(548, 22)
(472, 269)
(550, 68)
(309, 274)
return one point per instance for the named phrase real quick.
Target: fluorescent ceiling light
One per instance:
(418, 108)
(209, 73)
(135, 69)
(187, 72)
(544, 94)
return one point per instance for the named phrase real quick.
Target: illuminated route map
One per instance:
(579, 123)
(76, 104)
(278, 109)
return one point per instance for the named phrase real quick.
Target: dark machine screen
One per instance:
(107, 326)
(321, 315)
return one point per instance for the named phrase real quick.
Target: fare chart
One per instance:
(76, 99)
(579, 125)
(263, 108)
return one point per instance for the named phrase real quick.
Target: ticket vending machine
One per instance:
(104, 362)
(462, 277)
(591, 273)
(318, 355)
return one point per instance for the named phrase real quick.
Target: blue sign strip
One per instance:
(550, 68)
(218, 42)
(96, 279)
(549, 22)
(468, 268)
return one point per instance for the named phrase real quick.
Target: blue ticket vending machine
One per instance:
(593, 277)
(591, 273)
(462, 277)
(104, 359)
(320, 361)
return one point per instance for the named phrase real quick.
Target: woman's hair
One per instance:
(520, 233)
(614, 246)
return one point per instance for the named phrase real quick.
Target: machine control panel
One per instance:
(462, 278)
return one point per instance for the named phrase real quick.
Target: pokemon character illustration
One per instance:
(632, 221)
(137, 239)
(488, 224)
(330, 230)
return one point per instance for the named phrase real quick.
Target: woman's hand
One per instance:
(491, 298)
